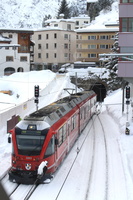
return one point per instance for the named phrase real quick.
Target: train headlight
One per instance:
(27, 166)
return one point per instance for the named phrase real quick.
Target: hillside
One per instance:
(30, 13)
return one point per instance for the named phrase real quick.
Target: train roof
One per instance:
(58, 109)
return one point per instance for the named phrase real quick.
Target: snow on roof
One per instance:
(96, 29)
(49, 28)
(15, 30)
(59, 20)
(81, 17)
(92, 1)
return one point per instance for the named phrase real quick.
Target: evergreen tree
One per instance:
(81, 6)
(95, 8)
(64, 9)
(105, 4)
(45, 18)
(114, 82)
(74, 10)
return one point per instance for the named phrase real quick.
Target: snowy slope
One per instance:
(30, 13)
(27, 14)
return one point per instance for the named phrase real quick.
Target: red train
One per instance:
(42, 140)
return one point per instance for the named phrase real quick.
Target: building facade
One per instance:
(55, 45)
(15, 47)
(94, 41)
(125, 64)
(81, 21)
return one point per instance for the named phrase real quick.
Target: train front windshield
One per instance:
(30, 142)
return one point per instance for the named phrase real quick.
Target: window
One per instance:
(124, 25)
(62, 134)
(86, 22)
(65, 46)
(55, 45)
(6, 48)
(104, 37)
(55, 55)
(66, 36)
(39, 37)
(55, 35)
(73, 122)
(9, 58)
(130, 24)
(50, 148)
(23, 58)
(24, 48)
(77, 23)
(10, 36)
(47, 55)
(55, 25)
(68, 26)
(92, 46)
(23, 37)
(46, 45)
(127, 24)
(92, 55)
(47, 37)
(60, 137)
(39, 46)
(103, 46)
(65, 55)
(91, 37)
(126, 1)
(39, 55)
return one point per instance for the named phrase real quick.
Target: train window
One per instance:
(73, 122)
(69, 126)
(50, 148)
(64, 132)
(29, 145)
(81, 114)
(60, 136)
(84, 112)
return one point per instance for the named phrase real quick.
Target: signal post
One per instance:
(36, 95)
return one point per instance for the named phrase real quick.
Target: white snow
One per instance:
(119, 147)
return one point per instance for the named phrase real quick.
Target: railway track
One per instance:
(98, 176)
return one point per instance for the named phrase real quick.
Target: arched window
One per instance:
(20, 69)
(9, 71)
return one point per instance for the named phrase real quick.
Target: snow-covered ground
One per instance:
(119, 174)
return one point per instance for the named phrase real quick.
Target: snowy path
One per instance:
(117, 183)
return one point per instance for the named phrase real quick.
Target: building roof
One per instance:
(96, 30)
(16, 30)
(92, 1)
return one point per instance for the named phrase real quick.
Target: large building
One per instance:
(92, 41)
(15, 51)
(125, 64)
(55, 44)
